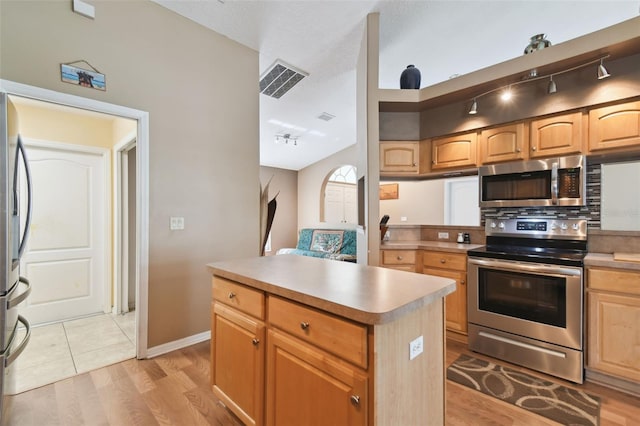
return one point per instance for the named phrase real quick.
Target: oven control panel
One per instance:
(573, 229)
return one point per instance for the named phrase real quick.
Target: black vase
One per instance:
(410, 78)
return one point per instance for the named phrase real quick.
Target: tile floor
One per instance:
(61, 350)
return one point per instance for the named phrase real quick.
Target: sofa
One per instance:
(336, 244)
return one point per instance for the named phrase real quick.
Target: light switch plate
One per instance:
(443, 235)
(177, 223)
(416, 346)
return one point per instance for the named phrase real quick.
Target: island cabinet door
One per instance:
(237, 362)
(307, 386)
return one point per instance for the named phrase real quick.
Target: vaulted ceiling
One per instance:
(442, 38)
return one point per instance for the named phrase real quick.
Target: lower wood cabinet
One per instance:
(307, 386)
(276, 361)
(454, 266)
(404, 260)
(237, 354)
(613, 323)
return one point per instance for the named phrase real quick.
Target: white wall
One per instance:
(420, 202)
(310, 180)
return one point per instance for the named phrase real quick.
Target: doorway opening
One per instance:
(124, 308)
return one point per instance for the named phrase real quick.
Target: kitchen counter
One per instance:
(606, 260)
(428, 245)
(360, 344)
(366, 294)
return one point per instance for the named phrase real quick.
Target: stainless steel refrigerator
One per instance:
(14, 226)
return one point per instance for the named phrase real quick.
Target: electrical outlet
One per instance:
(403, 218)
(416, 346)
(176, 223)
(443, 235)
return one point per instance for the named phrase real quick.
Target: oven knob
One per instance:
(576, 227)
(553, 226)
(564, 226)
(501, 225)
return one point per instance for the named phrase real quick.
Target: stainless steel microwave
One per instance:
(557, 181)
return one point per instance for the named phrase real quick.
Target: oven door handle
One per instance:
(527, 267)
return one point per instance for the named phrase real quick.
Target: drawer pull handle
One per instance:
(304, 325)
(443, 261)
(399, 257)
(461, 282)
(355, 399)
(255, 341)
(231, 295)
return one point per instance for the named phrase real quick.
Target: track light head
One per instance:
(474, 108)
(602, 71)
(506, 94)
(551, 88)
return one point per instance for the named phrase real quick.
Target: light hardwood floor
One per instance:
(173, 389)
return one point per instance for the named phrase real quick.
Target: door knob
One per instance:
(355, 399)
(231, 295)
(304, 325)
(255, 341)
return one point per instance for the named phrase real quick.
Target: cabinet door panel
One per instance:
(504, 143)
(614, 126)
(456, 302)
(454, 151)
(400, 157)
(614, 335)
(559, 135)
(307, 386)
(237, 367)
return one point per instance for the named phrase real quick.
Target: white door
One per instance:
(65, 256)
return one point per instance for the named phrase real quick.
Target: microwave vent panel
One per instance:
(279, 78)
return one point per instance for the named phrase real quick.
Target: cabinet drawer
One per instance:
(613, 280)
(242, 298)
(341, 337)
(441, 259)
(399, 257)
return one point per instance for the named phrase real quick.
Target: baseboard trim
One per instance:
(178, 344)
(615, 383)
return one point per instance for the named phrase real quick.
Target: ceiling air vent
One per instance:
(326, 116)
(279, 78)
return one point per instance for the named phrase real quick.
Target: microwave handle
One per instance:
(554, 183)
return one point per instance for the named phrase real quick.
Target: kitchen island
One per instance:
(301, 340)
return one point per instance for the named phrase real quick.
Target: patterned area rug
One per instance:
(548, 399)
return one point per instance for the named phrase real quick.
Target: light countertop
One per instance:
(606, 260)
(367, 294)
(428, 245)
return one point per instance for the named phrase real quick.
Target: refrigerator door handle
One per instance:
(13, 302)
(27, 224)
(16, 353)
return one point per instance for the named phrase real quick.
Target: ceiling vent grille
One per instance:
(326, 116)
(279, 78)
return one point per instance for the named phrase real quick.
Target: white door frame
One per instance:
(121, 222)
(142, 196)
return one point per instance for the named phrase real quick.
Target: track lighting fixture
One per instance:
(551, 88)
(287, 139)
(602, 71)
(532, 76)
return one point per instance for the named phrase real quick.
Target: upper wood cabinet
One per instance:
(504, 143)
(613, 127)
(558, 135)
(403, 158)
(454, 151)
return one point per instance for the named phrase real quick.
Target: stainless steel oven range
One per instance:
(525, 294)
